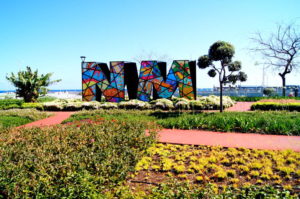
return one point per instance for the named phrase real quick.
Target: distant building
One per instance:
(255, 91)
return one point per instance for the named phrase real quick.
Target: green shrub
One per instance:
(203, 103)
(53, 106)
(72, 106)
(269, 92)
(38, 106)
(182, 105)
(10, 103)
(197, 105)
(108, 105)
(80, 160)
(164, 104)
(210, 103)
(274, 106)
(134, 104)
(177, 99)
(90, 105)
(46, 99)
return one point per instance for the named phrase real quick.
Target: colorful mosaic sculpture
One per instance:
(96, 80)
(179, 76)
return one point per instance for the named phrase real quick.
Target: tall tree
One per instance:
(30, 85)
(280, 50)
(228, 71)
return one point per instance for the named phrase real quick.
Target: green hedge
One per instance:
(6, 104)
(255, 99)
(10, 103)
(80, 160)
(275, 106)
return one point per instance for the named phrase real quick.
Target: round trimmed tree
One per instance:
(219, 60)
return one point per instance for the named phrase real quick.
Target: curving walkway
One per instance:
(240, 107)
(229, 139)
(57, 118)
(199, 137)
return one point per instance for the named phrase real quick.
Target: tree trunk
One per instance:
(283, 85)
(221, 97)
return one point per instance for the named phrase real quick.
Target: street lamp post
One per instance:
(82, 62)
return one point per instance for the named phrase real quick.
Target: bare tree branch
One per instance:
(281, 50)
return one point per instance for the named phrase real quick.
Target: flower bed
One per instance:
(203, 103)
(222, 167)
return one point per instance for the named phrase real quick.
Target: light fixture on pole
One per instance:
(82, 58)
(82, 63)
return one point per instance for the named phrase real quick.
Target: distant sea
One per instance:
(79, 90)
(50, 91)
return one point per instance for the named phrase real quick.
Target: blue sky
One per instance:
(52, 35)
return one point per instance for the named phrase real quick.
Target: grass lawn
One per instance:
(12, 121)
(281, 123)
(18, 117)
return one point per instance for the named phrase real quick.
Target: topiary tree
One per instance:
(228, 71)
(30, 85)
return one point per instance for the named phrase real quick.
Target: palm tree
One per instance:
(30, 85)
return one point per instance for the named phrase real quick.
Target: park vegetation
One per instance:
(276, 106)
(281, 123)
(30, 85)
(219, 167)
(18, 117)
(228, 71)
(70, 161)
(280, 51)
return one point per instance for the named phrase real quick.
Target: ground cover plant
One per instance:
(218, 167)
(18, 117)
(182, 189)
(6, 104)
(75, 160)
(202, 103)
(281, 123)
(52, 104)
(10, 103)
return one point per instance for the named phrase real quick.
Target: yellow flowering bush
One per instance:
(237, 167)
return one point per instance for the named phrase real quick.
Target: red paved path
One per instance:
(57, 118)
(240, 106)
(246, 140)
(198, 137)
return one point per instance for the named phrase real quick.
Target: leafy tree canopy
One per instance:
(30, 85)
